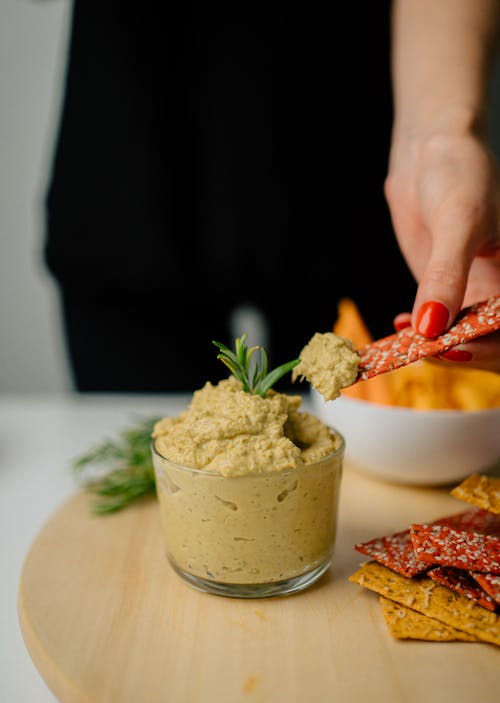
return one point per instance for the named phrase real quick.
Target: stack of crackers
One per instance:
(440, 581)
(423, 385)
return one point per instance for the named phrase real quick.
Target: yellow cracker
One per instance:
(430, 598)
(480, 490)
(405, 623)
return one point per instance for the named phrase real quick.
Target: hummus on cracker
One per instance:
(329, 362)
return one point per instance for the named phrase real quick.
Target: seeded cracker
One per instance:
(406, 624)
(463, 582)
(463, 549)
(408, 346)
(480, 490)
(474, 520)
(395, 551)
(429, 598)
(490, 583)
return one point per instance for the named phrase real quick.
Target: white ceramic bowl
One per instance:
(415, 447)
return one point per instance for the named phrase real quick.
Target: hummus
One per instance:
(329, 362)
(248, 489)
(235, 433)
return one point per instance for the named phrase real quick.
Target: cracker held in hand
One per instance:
(406, 624)
(408, 346)
(431, 599)
(480, 490)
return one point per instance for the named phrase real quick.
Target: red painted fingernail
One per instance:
(402, 321)
(432, 319)
(456, 355)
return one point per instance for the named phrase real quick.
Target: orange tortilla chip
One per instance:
(480, 490)
(350, 324)
(406, 624)
(430, 598)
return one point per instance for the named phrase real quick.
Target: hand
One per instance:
(443, 193)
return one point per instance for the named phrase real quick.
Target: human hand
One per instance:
(443, 193)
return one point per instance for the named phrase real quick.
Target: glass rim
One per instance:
(203, 472)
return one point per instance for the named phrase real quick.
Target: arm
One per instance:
(443, 186)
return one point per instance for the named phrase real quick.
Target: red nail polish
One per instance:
(432, 318)
(456, 355)
(402, 321)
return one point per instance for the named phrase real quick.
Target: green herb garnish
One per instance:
(256, 380)
(119, 471)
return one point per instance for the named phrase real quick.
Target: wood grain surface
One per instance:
(106, 620)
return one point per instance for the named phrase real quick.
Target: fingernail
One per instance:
(456, 355)
(402, 321)
(432, 318)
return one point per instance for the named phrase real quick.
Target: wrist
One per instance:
(455, 120)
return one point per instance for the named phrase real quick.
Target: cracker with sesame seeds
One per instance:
(407, 345)
(472, 520)
(395, 551)
(405, 623)
(430, 598)
(480, 490)
(490, 583)
(470, 549)
(462, 581)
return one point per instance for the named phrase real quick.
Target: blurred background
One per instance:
(33, 41)
(33, 36)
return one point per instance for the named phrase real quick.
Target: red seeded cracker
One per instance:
(473, 520)
(407, 346)
(394, 551)
(490, 583)
(464, 549)
(462, 582)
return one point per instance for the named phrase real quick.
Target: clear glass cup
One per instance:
(252, 536)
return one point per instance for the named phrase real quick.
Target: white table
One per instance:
(39, 436)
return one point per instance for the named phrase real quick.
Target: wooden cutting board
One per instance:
(106, 620)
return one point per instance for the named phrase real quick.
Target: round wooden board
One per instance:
(106, 620)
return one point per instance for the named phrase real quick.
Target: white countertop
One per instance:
(39, 437)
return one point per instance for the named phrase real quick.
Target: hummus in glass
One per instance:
(248, 490)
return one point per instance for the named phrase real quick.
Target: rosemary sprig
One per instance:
(119, 471)
(257, 381)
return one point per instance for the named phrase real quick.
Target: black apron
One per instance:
(208, 158)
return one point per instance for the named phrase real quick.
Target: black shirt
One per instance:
(235, 154)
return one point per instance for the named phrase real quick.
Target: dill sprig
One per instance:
(256, 380)
(119, 471)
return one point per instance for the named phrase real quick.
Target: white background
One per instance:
(33, 35)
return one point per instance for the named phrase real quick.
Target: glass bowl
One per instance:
(253, 536)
